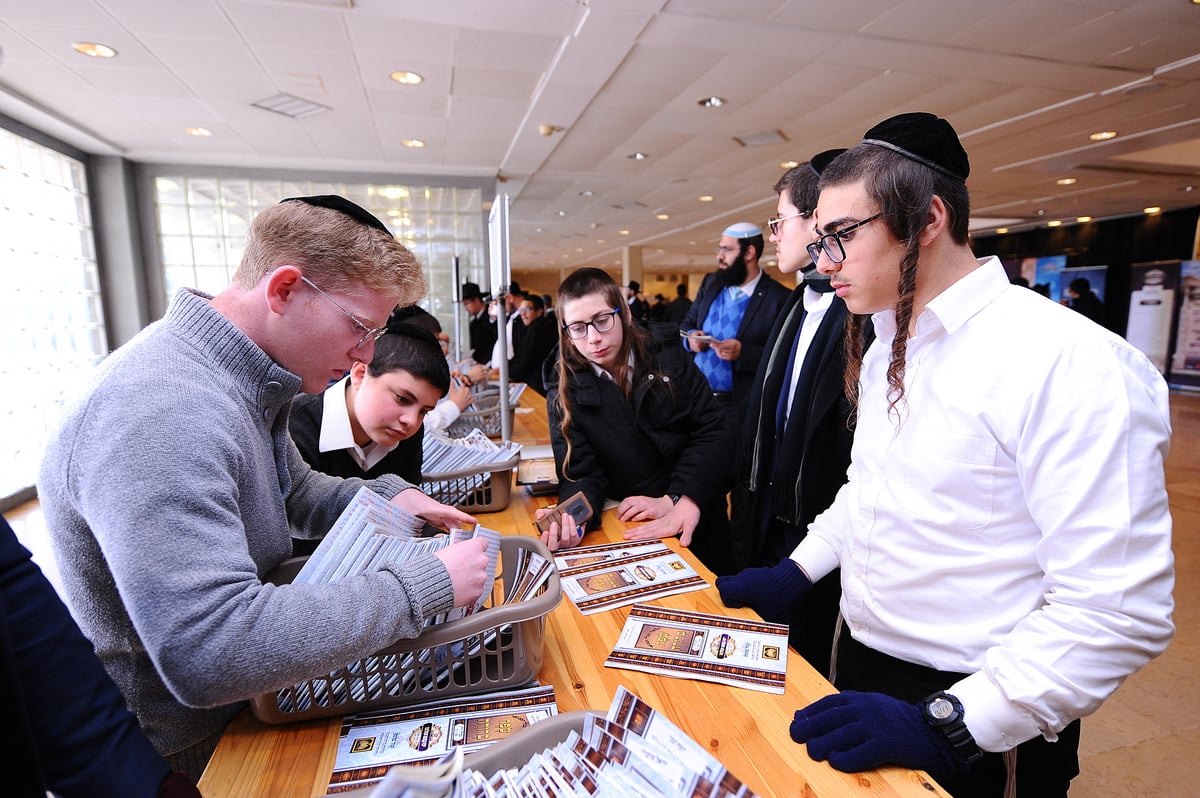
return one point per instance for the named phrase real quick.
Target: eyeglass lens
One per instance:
(603, 323)
(831, 243)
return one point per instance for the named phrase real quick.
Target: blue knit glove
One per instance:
(861, 731)
(774, 593)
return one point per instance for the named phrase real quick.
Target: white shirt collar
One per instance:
(336, 432)
(749, 286)
(604, 373)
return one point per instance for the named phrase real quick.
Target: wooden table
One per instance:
(747, 730)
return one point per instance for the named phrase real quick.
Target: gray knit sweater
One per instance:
(170, 490)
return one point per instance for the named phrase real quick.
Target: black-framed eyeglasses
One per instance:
(776, 224)
(368, 333)
(603, 322)
(831, 243)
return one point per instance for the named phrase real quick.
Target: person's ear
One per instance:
(937, 222)
(281, 288)
(358, 372)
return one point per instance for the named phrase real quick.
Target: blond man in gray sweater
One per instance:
(172, 486)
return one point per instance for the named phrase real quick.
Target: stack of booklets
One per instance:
(633, 752)
(398, 674)
(473, 450)
(695, 645)
(372, 742)
(372, 531)
(599, 578)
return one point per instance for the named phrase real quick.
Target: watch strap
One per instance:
(953, 726)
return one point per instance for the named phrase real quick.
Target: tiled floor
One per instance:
(1142, 742)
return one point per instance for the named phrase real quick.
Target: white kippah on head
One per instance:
(742, 230)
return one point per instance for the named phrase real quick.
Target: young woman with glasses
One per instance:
(633, 419)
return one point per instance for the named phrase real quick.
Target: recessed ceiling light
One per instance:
(406, 78)
(711, 102)
(637, 156)
(393, 192)
(197, 131)
(586, 193)
(1066, 181)
(562, 213)
(95, 50)
(1103, 135)
(415, 144)
(705, 198)
(1083, 218)
(1153, 209)
(1001, 230)
(789, 164)
(662, 217)
(623, 232)
(1054, 223)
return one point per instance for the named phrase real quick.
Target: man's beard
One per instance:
(735, 274)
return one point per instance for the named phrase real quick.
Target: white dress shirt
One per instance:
(1009, 518)
(816, 305)
(336, 432)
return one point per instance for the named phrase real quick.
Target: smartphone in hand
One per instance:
(577, 506)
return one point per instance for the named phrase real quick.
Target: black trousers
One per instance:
(1044, 769)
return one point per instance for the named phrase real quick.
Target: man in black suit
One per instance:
(737, 305)
(538, 339)
(795, 445)
(481, 329)
(637, 306)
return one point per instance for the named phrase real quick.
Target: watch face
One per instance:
(940, 709)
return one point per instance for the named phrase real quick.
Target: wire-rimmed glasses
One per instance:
(368, 333)
(603, 322)
(831, 243)
(776, 224)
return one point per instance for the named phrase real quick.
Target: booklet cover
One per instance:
(599, 578)
(633, 752)
(371, 742)
(712, 648)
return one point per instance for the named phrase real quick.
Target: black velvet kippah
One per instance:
(818, 162)
(924, 138)
(342, 205)
(410, 330)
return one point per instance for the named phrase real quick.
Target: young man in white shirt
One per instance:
(1004, 536)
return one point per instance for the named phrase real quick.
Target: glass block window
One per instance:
(202, 224)
(51, 319)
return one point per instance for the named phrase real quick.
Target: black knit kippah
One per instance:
(924, 138)
(818, 162)
(342, 205)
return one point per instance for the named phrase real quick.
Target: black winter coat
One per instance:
(664, 441)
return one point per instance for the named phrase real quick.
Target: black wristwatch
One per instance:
(944, 712)
(674, 497)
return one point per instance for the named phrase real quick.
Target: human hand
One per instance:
(861, 731)
(694, 344)
(412, 500)
(467, 563)
(774, 592)
(563, 534)
(680, 521)
(643, 508)
(459, 394)
(476, 373)
(730, 349)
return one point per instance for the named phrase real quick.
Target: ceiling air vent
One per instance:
(760, 138)
(290, 105)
